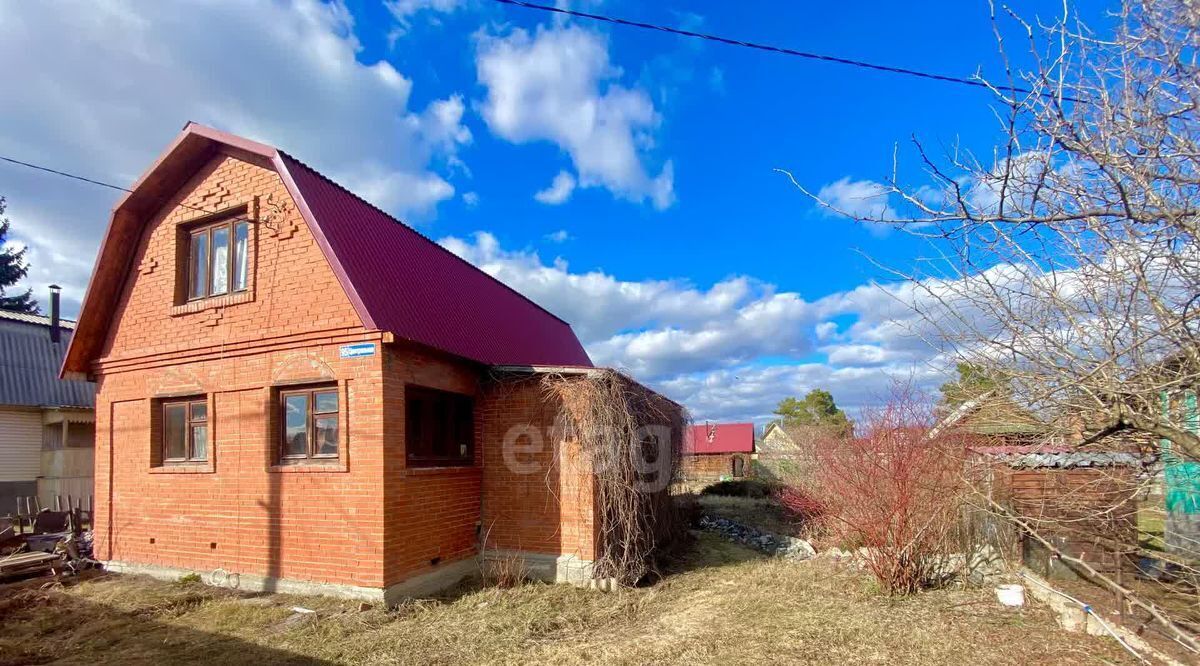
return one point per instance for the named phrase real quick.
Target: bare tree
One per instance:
(1068, 260)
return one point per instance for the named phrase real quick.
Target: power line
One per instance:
(64, 173)
(67, 174)
(767, 47)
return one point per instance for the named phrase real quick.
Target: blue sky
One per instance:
(679, 253)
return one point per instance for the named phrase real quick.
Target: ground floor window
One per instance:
(184, 430)
(309, 423)
(439, 427)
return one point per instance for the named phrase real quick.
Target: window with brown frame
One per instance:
(184, 431)
(309, 428)
(218, 259)
(440, 428)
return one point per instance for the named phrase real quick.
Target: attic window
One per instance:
(218, 259)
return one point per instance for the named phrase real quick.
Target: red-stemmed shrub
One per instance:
(800, 503)
(894, 489)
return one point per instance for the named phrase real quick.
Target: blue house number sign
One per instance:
(358, 350)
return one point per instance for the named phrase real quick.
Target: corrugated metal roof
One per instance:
(29, 364)
(1057, 457)
(422, 292)
(719, 438)
(34, 319)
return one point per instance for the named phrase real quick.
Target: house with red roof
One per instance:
(297, 391)
(717, 451)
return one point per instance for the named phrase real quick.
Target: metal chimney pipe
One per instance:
(55, 328)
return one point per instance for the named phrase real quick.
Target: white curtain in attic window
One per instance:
(241, 236)
(220, 260)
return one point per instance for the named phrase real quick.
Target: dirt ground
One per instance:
(760, 513)
(717, 604)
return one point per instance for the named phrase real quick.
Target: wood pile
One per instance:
(25, 564)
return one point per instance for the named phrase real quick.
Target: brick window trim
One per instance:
(201, 304)
(339, 465)
(181, 305)
(157, 465)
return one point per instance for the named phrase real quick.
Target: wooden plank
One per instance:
(22, 561)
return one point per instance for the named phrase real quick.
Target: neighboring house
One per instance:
(717, 451)
(303, 392)
(1181, 478)
(1083, 499)
(46, 423)
(780, 454)
(998, 418)
(776, 439)
(788, 451)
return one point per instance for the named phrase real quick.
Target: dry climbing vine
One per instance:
(632, 438)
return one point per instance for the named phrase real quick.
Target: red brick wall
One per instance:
(314, 523)
(430, 512)
(537, 501)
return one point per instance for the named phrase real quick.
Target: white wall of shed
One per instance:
(20, 444)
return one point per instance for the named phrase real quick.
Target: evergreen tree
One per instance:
(816, 409)
(973, 381)
(13, 269)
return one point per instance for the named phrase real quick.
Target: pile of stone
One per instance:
(778, 545)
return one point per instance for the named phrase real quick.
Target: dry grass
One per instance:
(724, 604)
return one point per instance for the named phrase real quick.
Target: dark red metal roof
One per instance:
(420, 291)
(719, 438)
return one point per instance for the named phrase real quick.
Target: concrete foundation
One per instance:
(550, 568)
(539, 566)
(417, 586)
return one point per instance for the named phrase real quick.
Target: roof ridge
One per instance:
(418, 233)
(29, 317)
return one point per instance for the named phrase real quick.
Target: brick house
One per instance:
(717, 451)
(300, 391)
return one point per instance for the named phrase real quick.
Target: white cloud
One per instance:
(559, 191)
(601, 306)
(559, 85)
(730, 351)
(859, 199)
(560, 236)
(471, 199)
(826, 330)
(105, 101)
(857, 354)
(750, 392)
(403, 11)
